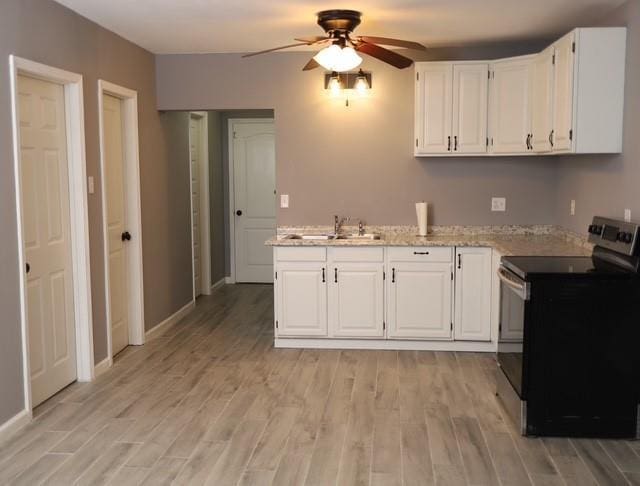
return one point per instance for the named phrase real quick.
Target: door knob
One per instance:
(126, 236)
(239, 212)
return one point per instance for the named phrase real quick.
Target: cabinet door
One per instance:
(510, 107)
(470, 93)
(356, 300)
(563, 93)
(542, 101)
(472, 317)
(301, 302)
(419, 300)
(433, 108)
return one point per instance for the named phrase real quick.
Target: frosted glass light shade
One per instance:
(339, 59)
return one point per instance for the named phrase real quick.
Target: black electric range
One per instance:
(569, 338)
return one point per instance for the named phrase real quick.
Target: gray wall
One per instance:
(44, 31)
(216, 198)
(607, 184)
(358, 160)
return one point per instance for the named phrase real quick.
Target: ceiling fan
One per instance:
(340, 49)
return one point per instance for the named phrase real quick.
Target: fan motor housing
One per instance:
(339, 20)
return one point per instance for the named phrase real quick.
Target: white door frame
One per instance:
(232, 196)
(133, 212)
(74, 113)
(205, 235)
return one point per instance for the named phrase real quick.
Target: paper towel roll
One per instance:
(421, 213)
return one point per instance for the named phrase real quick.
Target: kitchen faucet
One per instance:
(339, 222)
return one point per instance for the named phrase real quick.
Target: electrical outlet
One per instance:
(627, 215)
(284, 200)
(91, 185)
(498, 204)
(573, 207)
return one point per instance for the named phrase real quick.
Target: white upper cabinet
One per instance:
(434, 86)
(356, 293)
(563, 63)
(510, 106)
(542, 101)
(472, 319)
(470, 88)
(566, 99)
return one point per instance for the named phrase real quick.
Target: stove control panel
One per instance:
(616, 235)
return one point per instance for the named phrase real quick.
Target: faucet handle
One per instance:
(360, 227)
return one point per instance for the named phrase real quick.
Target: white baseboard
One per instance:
(229, 280)
(14, 424)
(102, 366)
(219, 283)
(391, 344)
(172, 319)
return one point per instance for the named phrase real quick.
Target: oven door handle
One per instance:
(521, 288)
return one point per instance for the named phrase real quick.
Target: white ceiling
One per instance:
(190, 26)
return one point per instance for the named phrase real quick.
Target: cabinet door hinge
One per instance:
(276, 324)
(416, 142)
(500, 327)
(417, 76)
(488, 74)
(553, 59)
(452, 326)
(452, 275)
(492, 141)
(573, 47)
(384, 325)
(276, 275)
(487, 141)
(384, 275)
(571, 134)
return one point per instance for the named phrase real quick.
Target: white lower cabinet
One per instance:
(472, 321)
(419, 300)
(356, 306)
(301, 299)
(423, 294)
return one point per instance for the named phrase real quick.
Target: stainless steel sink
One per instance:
(309, 237)
(357, 236)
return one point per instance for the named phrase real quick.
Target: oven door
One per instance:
(514, 295)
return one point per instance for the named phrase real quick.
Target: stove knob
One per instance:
(598, 230)
(621, 236)
(628, 238)
(592, 228)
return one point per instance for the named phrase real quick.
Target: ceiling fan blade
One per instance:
(385, 41)
(313, 39)
(276, 49)
(312, 64)
(384, 55)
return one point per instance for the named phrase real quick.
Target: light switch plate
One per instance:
(498, 204)
(627, 215)
(573, 207)
(91, 185)
(284, 200)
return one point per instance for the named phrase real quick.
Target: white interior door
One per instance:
(510, 113)
(542, 101)
(46, 237)
(470, 98)
(114, 171)
(254, 171)
(195, 133)
(433, 108)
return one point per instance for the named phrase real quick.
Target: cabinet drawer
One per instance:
(357, 254)
(309, 254)
(420, 254)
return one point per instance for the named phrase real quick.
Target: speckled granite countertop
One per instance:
(507, 240)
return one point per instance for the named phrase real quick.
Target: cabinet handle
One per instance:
(459, 260)
(393, 275)
(420, 252)
(336, 275)
(449, 143)
(528, 141)
(551, 138)
(455, 143)
(323, 277)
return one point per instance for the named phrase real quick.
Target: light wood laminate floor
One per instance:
(210, 401)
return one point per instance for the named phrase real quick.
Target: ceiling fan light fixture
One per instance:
(338, 59)
(362, 84)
